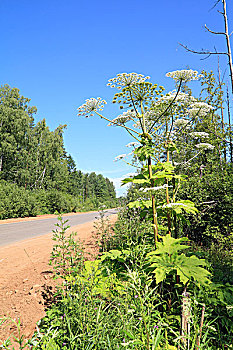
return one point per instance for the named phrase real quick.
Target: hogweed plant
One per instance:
(167, 136)
(159, 125)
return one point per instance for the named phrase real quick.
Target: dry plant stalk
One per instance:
(185, 319)
(201, 326)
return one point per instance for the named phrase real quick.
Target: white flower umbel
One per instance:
(184, 75)
(126, 80)
(123, 118)
(91, 105)
(156, 188)
(130, 175)
(133, 144)
(181, 98)
(180, 123)
(205, 146)
(200, 109)
(199, 134)
(121, 156)
(170, 205)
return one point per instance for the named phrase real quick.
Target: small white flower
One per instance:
(170, 205)
(184, 75)
(123, 118)
(156, 188)
(133, 144)
(181, 122)
(126, 80)
(181, 98)
(199, 134)
(131, 174)
(205, 146)
(91, 105)
(202, 105)
(121, 156)
(200, 109)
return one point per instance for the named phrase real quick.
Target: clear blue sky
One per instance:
(58, 53)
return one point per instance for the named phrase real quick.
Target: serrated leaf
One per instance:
(167, 259)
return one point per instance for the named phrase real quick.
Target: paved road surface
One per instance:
(18, 231)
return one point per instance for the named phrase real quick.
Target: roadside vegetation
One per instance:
(163, 278)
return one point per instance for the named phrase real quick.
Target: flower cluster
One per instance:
(133, 144)
(123, 118)
(179, 123)
(184, 75)
(171, 205)
(91, 105)
(157, 188)
(200, 109)
(121, 156)
(205, 146)
(126, 80)
(181, 97)
(199, 134)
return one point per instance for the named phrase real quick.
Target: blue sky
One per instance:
(58, 53)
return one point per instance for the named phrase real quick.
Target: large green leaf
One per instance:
(167, 259)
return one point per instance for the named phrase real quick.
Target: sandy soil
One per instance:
(25, 276)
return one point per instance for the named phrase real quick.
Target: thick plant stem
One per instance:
(167, 193)
(201, 326)
(155, 220)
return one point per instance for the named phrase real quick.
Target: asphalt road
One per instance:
(18, 231)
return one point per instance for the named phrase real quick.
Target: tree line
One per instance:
(35, 164)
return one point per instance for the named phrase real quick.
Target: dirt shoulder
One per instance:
(25, 274)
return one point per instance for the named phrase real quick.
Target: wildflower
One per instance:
(200, 109)
(121, 156)
(170, 205)
(132, 144)
(155, 188)
(91, 105)
(136, 296)
(205, 146)
(181, 122)
(126, 80)
(202, 105)
(184, 75)
(123, 118)
(131, 174)
(180, 97)
(156, 326)
(199, 134)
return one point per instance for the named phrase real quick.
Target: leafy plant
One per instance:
(67, 254)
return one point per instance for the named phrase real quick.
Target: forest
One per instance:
(37, 176)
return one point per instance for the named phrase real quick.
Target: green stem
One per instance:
(155, 221)
(155, 216)
(167, 193)
(112, 122)
(143, 120)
